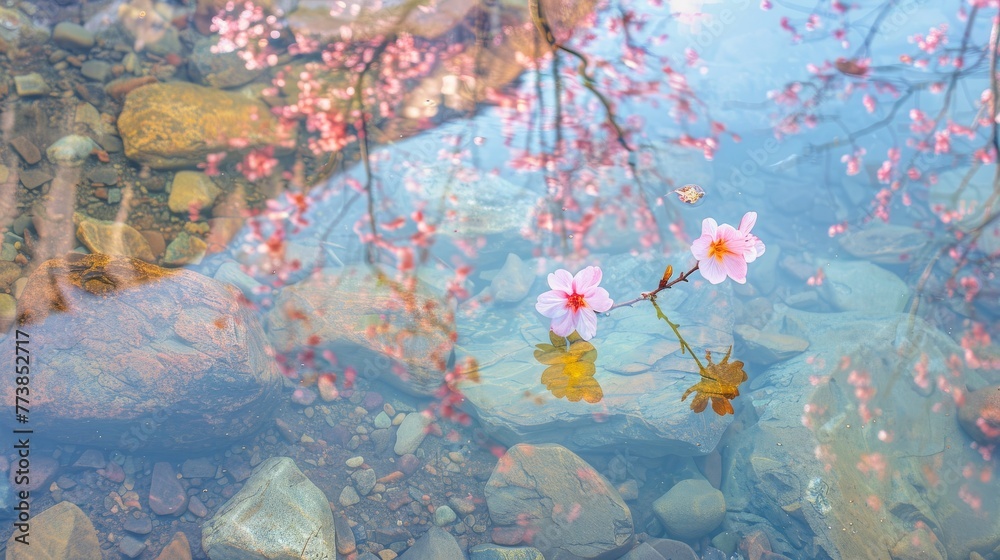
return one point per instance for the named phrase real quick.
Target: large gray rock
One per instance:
(854, 445)
(368, 320)
(641, 373)
(567, 509)
(137, 356)
(278, 514)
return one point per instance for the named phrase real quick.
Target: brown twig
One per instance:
(652, 295)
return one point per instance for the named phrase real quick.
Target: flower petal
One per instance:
(699, 248)
(600, 301)
(551, 304)
(561, 280)
(587, 324)
(736, 268)
(708, 227)
(565, 324)
(587, 278)
(747, 223)
(712, 271)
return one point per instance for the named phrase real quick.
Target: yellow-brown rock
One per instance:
(112, 238)
(178, 549)
(177, 124)
(60, 532)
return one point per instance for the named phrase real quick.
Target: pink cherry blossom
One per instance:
(723, 250)
(574, 301)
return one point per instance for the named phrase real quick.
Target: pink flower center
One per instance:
(575, 301)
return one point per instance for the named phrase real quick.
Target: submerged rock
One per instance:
(177, 124)
(640, 371)
(567, 507)
(279, 514)
(138, 356)
(832, 481)
(371, 322)
(112, 238)
(691, 509)
(436, 543)
(863, 286)
(62, 531)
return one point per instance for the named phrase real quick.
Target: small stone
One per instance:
(178, 549)
(372, 401)
(355, 462)
(344, 536)
(7, 252)
(408, 464)
(71, 150)
(105, 174)
(156, 242)
(166, 495)
(192, 189)
(9, 272)
(97, 70)
(131, 546)
(30, 85)
(184, 249)
(364, 480)
(27, 150)
(349, 496)
(72, 36)
(19, 285)
(34, 178)
(691, 509)
(411, 433)
(114, 196)
(91, 459)
(8, 311)
(142, 525)
(196, 507)
(496, 552)
(382, 421)
(111, 238)
(462, 505)
(444, 515)
(198, 468)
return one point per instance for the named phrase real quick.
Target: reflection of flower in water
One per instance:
(571, 368)
(719, 383)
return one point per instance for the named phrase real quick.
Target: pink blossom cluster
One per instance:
(249, 30)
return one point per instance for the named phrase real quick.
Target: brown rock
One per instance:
(979, 416)
(178, 124)
(344, 536)
(166, 495)
(34, 178)
(920, 544)
(180, 356)
(118, 89)
(27, 150)
(111, 238)
(62, 531)
(156, 242)
(178, 549)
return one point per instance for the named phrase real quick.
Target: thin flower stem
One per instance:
(685, 347)
(652, 295)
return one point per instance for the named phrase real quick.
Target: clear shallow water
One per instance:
(355, 216)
